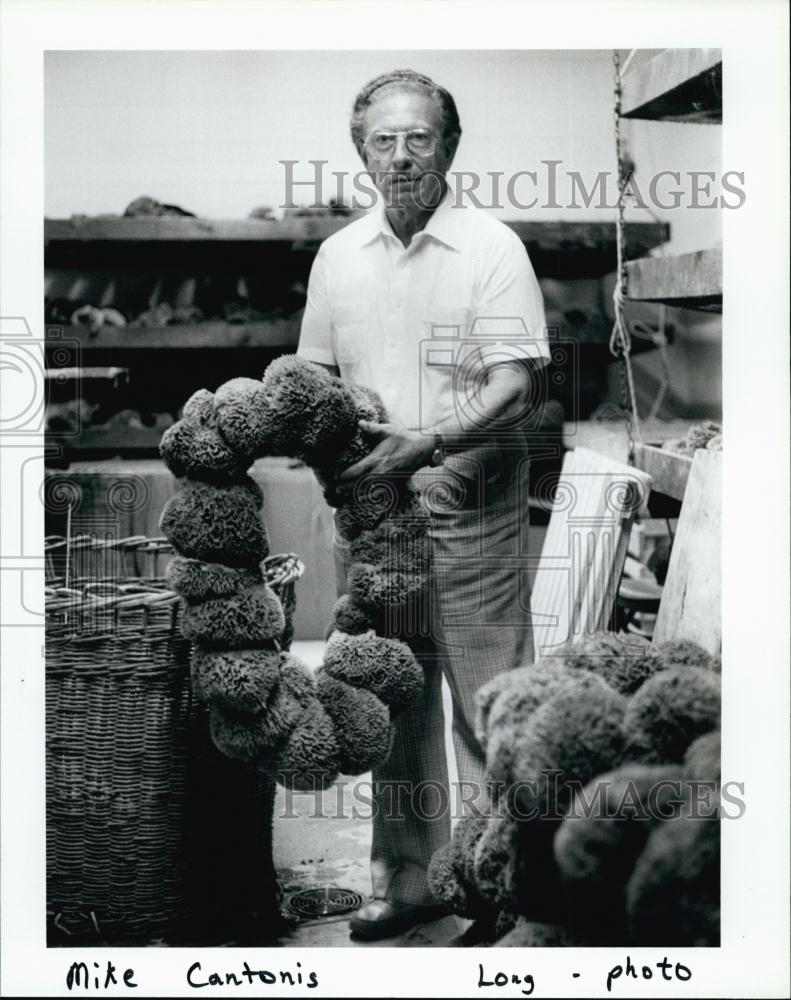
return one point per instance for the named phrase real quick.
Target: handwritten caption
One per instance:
(525, 982)
(103, 976)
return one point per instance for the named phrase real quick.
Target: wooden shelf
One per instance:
(116, 440)
(589, 237)
(557, 249)
(609, 437)
(691, 280)
(219, 336)
(235, 336)
(115, 229)
(678, 85)
(558, 236)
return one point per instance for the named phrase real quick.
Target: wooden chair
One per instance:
(594, 506)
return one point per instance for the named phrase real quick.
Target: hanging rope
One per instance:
(620, 339)
(659, 339)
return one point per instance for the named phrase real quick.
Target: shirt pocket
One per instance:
(349, 334)
(445, 337)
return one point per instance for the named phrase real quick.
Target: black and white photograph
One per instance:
(385, 541)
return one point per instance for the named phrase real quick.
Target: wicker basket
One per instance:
(151, 832)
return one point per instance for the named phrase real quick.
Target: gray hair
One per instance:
(404, 79)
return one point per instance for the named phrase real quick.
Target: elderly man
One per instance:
(435, 306)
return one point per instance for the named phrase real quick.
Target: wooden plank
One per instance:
(584, 548)
(186, 230)
(692, 279)
(675, 85)
(587, 237)
(222, 336)
(691, 599)
(609, 437)
(556, 237)
(281, 332)
(669, 472)
(120, 440)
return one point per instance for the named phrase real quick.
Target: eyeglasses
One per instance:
(418, 141)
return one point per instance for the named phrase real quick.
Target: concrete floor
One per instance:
(324, 840)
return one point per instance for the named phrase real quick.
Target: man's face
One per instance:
(406, 177)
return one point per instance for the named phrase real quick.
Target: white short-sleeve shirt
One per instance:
(415, 324)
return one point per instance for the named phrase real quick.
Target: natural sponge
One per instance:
(671, 710)
(444, 883)
(368, 406)
(573, 736)
(387, 667)
(374, 499)
(451, 876)
(369, 403)
(313, 415)
(509, 700)
(599, 841)
(195, 580)
(287, 705)
(684, 653)
(252, 617)
(193, 446)
(487, 695)
(259, 736)
(493, 857)
(219, 524)
(673, 895)
(244, 416)
(399, 544)
(349, 617)
(702, 761)
(310, 759)
(241, 680)
(236, 734)
(267, 708)
(362, 724)
(377, 590)
(625, 662)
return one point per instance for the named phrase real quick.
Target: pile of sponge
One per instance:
(266, 706)
(604, 772)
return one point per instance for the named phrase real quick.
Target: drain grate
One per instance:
(331, 901)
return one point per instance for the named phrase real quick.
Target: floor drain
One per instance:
(328, 902)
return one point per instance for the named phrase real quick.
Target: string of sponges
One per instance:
(266, 706)
(604, 763)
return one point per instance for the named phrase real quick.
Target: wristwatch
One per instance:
(438, 455)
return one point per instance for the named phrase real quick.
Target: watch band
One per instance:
(438, 455)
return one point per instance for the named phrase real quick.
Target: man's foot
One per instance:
(384, 918)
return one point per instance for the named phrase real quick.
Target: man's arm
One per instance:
(505, 397)
(315, 337)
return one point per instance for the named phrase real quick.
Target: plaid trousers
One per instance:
(479, 626)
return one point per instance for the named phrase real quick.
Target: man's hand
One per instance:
(397, 451)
